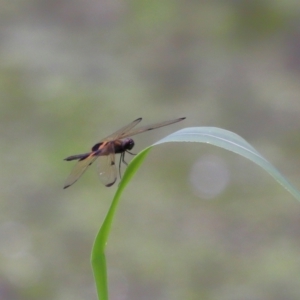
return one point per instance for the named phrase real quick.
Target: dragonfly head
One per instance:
(128, 144)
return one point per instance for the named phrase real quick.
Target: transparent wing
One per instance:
(106, 168)
(121, 131)
(147, 128)
(79, 169)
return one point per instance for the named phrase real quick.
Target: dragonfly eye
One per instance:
(130, 144)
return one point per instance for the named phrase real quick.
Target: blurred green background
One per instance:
(196, 222)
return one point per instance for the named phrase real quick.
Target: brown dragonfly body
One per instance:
(116, 143)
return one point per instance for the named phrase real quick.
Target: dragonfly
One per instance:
(104, 152)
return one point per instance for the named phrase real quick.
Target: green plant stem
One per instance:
(98, 260)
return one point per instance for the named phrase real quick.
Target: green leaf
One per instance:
(232, 142)
(210, 135)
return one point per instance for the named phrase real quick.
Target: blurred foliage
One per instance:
(72, 72)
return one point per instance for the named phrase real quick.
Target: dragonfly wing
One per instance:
(121, 131)
(107, 170)
(147, 128)
(79, 169)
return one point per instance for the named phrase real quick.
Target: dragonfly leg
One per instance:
(130, 152)
(122, 160)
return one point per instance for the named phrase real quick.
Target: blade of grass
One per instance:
(210, 135)
(98, 252)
